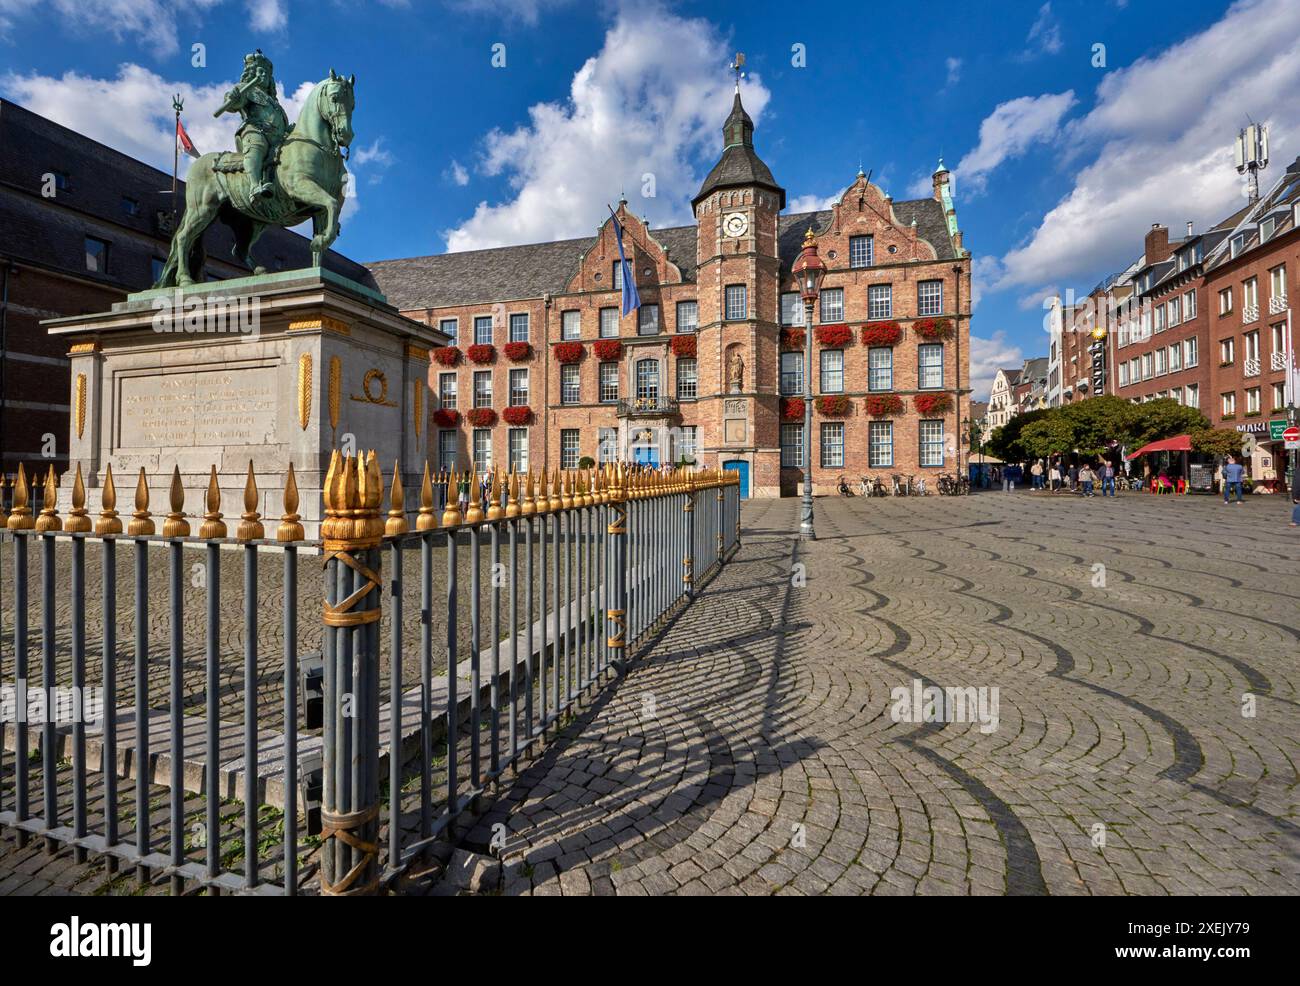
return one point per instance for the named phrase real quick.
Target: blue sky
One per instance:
(1060, 164)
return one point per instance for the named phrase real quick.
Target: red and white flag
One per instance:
(183, 139)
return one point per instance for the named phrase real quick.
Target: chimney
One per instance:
(1157, 244)
(1189, 229)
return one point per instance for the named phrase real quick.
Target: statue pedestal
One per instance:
(277, 369)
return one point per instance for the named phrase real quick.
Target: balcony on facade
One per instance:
(648, 407)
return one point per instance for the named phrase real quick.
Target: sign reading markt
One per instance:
(270, 368)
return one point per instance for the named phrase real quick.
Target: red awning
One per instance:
(1179, 443)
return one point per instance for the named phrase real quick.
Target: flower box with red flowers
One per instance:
(881, 333)
(446, 355)
(835, 336)
(446, 417)
(932, 403)
(932, 329)
(792, 338)
(517, 415)
(792, 408)
(481, 417)
(570, 352)
(481, 353)
(884, 405)
(833, 407)
(517, 351)
(683, 345)
(607, 349)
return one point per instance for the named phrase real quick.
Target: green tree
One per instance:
(1004, 443)
(1218, 442)
(1050, 434)
(1099, 421)
(1164, 418)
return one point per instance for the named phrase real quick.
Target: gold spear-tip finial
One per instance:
(396, 523)
(78, 522)
(213, 526)
(175, 526)
(513, 507)
(141, 525)
(494, 510)
(290, 529)
(250, 524)
(49, 520)
(451, 515)
(108, 522)
(426, 521)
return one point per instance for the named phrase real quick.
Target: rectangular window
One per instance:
(831, 305)
(792, 373)
(832, 371)
(96, 255)
(929, 297)
(518, 388)
(687, 379)
(648, 320)
(519, 327)
(608, 383)
(483, 330)
(688, 316)
(1277, 284)
(931, 434)
(1189, 305)
(482, 449)
(832, 444)
(880, 368)
(1279, 396)
(1190, 355)
(880, 444)
(1227, 352)
(447, 390)
(647, 380)
(1162, 364)
(448, 327)
(482, 388)
(570, 325)
(606, 445)
(929, 366)
(1229, 404)
(1252, 400)
(791, 308)
(1160, 318)
(569, 448)
(1279, 339)
(686, 444)
(737, 306)
(1175, 311)
(130, 206)
(880, 301)
(616, 279)
(1175, 358)
(447, 449)
(1146, 366)
(518, 438)
(1176, 393)
(1193, 395)
(791, 444)
(1123, 374)
(1250, 351)
(569, 385)
(1250, 294)
(861, 251)
(609, 323)
(1225, 301)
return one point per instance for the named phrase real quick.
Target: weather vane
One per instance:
(736, 65)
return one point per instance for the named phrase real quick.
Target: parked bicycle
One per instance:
(844, 488)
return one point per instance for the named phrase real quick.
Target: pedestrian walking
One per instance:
(1107, 479)
(1087, 477)
(1295, 510)
(1008, 479)
(1074, 478)
(1055, 477)
(1233, 474)
(1036, 470)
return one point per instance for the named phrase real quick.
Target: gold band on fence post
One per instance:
(617, 530)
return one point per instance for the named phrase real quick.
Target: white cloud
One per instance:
(1010, 130)
(141, 122)
(987, 356)
(1160, 142)
(810, 203)
(456, 174)
(651, 102)
(153, 23)
(1045, 34)
(268, 15)
(527, 11)
(954, 70)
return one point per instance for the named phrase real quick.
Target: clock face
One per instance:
(735, 224)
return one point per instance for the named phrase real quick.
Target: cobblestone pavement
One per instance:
(754, 751)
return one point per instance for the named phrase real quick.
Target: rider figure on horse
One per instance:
(265, 125)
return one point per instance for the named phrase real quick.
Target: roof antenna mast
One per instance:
(736, 65)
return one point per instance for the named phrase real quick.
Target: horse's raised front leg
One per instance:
(325, 220)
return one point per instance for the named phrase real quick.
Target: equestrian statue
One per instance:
(280, 175)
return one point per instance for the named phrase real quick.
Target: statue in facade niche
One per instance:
(280, 176)
(735, 373)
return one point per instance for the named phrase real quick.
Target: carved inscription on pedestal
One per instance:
(183, 410)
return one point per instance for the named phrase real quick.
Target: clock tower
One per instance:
(738, 272)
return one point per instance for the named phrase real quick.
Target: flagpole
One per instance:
(177, 105)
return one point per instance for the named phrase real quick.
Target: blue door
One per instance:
(742, 467)
(646, 457)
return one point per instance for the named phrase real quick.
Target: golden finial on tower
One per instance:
(213, 526)
(290, 529)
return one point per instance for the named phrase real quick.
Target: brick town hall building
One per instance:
(546, 372)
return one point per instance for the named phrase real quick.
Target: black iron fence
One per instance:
(181, 721)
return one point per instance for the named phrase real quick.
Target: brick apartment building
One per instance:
(82, 226)
(710, 367)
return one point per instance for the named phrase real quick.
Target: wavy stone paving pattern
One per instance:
(770, 763)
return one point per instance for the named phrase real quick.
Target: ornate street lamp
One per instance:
(809, 271)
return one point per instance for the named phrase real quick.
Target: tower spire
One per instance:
(736, 65)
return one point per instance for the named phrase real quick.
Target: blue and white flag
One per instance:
(631, 300)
